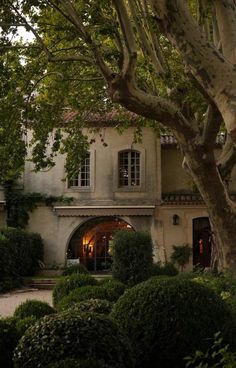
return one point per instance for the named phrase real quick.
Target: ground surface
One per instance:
(11, 300)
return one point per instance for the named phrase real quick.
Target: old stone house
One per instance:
(136, 186)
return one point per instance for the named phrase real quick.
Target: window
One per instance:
(129, 168)
(83, 179)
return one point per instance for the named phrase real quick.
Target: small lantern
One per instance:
(175, 220)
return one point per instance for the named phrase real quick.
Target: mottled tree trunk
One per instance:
(222, 210)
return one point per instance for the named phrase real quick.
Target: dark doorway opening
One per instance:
(92, 243)
(201, 242)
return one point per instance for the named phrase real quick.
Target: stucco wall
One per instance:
(104, 188)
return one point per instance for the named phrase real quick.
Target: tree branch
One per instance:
(74, 17)
(225, 11)
(207, 65)
(130, 54)
(227, 159)
(146, 42)
(212, 124)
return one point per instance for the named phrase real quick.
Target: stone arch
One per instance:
(91, 243)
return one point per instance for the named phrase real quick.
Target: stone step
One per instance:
(43, 284)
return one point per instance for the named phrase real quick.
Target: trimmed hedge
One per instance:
(20, 255)
(169, 319)
(100, 306)
(81, 294)
(66, 284)
(83, 336)
(73, 363)
(168, 269)
(77, 268)
(33, 308)
(8, 341)
(132, 256)
(110, 291)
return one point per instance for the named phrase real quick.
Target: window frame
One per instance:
(132, 188)
(84, 188)
(129, 160)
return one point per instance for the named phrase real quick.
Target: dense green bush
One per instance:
(76, 268)
(114, 288)
(21, 251)
(132, 256)
(217, 356)
(8, 341)
(170, 318)
(101, 306)
(35, 308)
(167, 269)
(73, 363)
(108, 289)
(66, 284)
(181, 255)
(83, 336)
(84, 293)
(23, 324)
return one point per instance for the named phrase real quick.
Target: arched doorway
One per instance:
(92, 242)
(201, 242)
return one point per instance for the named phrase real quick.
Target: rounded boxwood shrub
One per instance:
(66, 284)
(114, 288)
(76, 268)
(33, 308)
(83, 336)
(168, 269)
(91, 305)
(23, 324)
(8, 341)
(132, 256)
(110, 291)
(81, 294)
(73, 363)
(169, 319)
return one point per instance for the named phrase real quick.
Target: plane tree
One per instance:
(171, 62)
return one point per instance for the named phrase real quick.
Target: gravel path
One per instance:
(11, 300)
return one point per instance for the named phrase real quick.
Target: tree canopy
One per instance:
(170, 62)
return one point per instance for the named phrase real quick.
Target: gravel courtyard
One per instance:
(11, 300)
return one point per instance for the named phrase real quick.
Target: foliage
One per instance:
(19, 204)
(74, 363)
(82, 336)
(91, 305)
(66, 284)
(181, 255)
(113, 287)
(132, 256)
(22, 252)
(33, 308)
(167, 269)
(85, 293)
(22, 324)
(217, 356)
(224, 285)
(170, 318)
(8, 341)
(76, 268)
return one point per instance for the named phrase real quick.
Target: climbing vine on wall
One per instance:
(18, 204)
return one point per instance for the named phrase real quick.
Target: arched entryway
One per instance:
(201, 242)
(92, 242)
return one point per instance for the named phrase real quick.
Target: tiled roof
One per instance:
(181, 198)
(111, 118)
(170, 140)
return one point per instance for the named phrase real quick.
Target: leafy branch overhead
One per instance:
(169, 62)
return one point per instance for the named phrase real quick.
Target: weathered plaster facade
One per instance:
(164, 190)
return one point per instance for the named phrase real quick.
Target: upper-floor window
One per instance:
(83, 179)
(129, 168)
